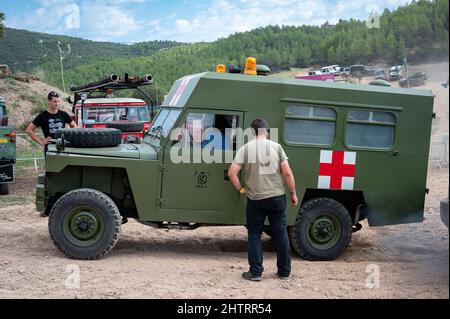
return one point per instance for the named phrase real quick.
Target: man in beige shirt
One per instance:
(265, 166)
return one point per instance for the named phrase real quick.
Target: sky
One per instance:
(129, 21)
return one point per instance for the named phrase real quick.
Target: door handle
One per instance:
(395, 153)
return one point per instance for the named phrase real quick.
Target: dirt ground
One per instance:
(401, 261)
(412, 261)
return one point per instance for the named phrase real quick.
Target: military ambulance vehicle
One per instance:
(7, 151)
(356, 151)
(96, 106)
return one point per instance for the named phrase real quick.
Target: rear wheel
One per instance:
(322, 230)
(84, 224)
(4, 189)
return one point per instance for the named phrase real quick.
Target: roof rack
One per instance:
(113, 81)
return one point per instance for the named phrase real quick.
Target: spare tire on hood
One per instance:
(127, 126)
(90, 137)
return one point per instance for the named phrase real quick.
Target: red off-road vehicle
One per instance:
(96, 106)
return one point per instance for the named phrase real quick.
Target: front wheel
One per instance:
(322, 230)
(84, 224)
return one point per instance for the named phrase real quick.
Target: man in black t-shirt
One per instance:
(49, 121)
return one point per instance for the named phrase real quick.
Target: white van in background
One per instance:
(331, 69)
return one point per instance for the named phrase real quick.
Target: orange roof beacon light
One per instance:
(220, 68)
(250, 66)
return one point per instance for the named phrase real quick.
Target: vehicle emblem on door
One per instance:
(202, 179)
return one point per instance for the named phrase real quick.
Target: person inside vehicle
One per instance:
(109, 94)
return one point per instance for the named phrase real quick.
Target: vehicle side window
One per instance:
(309, 125)
(216, 131)
(105, 115)
(90, 115)
(101, 114)
(370, 129)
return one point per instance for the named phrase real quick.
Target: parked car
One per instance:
(379, 74)
(7, 151)
(415, 79)
(337, 69)
(318, 76)
(95, 106)
(328, 70)
(395, 73)
(345, 71)
(359, 70)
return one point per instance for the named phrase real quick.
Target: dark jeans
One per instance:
(257, 210)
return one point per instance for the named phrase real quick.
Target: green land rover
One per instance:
(7, 151)
(356, 151)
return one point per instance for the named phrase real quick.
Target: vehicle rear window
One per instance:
(309, 125)
(370, 129)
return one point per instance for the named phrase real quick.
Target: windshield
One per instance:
(119, 113)
(161, 127)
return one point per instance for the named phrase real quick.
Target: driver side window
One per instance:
(209, 130)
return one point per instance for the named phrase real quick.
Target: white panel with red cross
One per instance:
(176, 97)
(336, 170)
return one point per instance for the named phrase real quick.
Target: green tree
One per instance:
(2, 17)
(330, 55)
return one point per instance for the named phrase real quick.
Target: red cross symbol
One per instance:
(337, 169)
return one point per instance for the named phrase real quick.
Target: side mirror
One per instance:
(4, 121)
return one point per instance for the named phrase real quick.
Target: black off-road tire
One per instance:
(90, 137)
(104, 208)
(127, 126)
(310, 211)
(4, 189)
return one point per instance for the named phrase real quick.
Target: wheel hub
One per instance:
(83, 225)
(324, 231)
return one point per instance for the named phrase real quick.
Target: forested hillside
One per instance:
(30, 51)
(418, 31)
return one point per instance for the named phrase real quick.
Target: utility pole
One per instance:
(405, 62)
(157, 95)
(62, 55)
